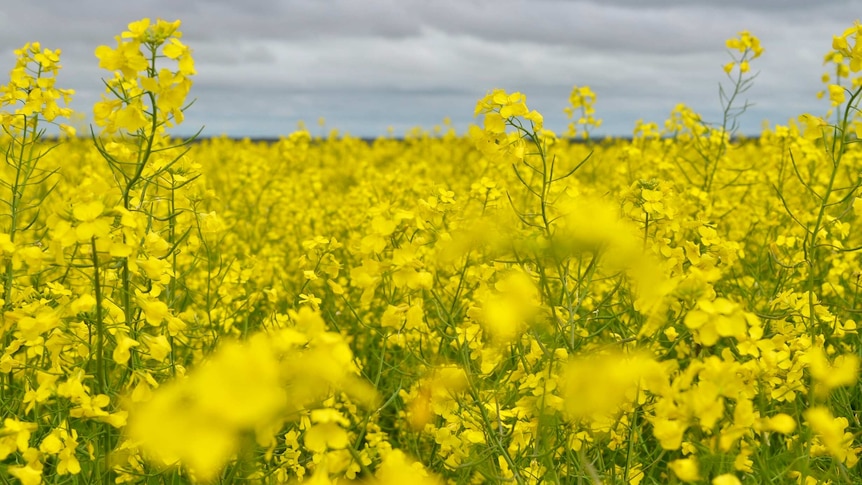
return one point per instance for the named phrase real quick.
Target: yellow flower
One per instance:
(814, 126)
(60, 443)
(122, 350)
(164, 30)
(310, 299)
(323, 436)
(726, 479)
(494, 123)
(511, 105)
(780, 423)
(581, 101)
(137, 30)
(29, 475)
(158, 347)
(171, 433)
(241, 384)
(536, 118)
(155, 311)
(15, 435)
(596, 386)
(669, 432)
(506, 312)
(197, 421)
(435, 395)
(131, 117)
(88, 211)
(831, 432)
(745, 42)
(836, 94)
(717, 318)
(685, 469)
(844, 371)
(398, 469)
(175, 50)
(126, 58)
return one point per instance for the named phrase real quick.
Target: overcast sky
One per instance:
(365, 65)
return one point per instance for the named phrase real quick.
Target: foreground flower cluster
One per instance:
(505, 307)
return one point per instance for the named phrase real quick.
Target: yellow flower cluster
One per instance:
(748, 47)
(31, 92)
(581, 101)
(139, 94)
(250, 387)
(503, 112)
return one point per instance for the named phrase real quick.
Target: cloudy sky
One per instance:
(366, 65)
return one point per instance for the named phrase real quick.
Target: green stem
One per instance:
(101, 374)
(646, 228)
(101, 381)
(143, 159)
(23, 169)
(631, 441)
(839, 146)
(738, 89)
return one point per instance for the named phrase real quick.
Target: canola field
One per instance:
(505, 306)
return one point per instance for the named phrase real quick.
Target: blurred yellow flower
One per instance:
(686, 469)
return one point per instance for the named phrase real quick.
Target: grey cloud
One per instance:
(364, 65)
(744, 5)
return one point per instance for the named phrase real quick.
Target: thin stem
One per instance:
(101, 380)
